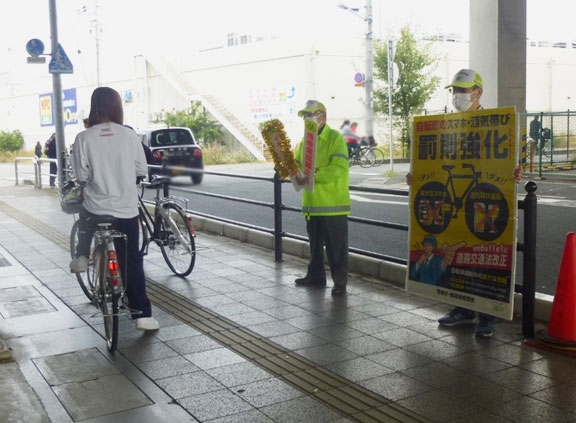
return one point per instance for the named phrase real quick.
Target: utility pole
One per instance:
(369, 71)
(57, 91)
(390, 87)
(369, 83)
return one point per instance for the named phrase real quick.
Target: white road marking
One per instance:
(363, 199)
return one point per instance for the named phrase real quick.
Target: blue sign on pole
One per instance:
(60, 63)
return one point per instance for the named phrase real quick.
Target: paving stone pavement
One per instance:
(378, 339)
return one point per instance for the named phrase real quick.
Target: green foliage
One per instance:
(216, 153)
(204, 128)
(415, 84)
(11, 141)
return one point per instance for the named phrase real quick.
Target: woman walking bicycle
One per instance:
(108, 158)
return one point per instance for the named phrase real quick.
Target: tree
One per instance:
(204, 128)
(11, 141)
(415, 84)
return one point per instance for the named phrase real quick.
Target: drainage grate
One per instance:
(353, 401)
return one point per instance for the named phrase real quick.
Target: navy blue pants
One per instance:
(133, 272)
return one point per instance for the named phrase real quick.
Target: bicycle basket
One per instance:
(71, 197)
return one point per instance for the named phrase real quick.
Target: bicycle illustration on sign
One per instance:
(485, 207)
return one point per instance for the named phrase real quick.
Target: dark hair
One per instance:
(346, 122)
(106, 106)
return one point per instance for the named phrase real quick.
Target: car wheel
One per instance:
(197, 178)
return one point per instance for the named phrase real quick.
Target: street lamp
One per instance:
(369, 78)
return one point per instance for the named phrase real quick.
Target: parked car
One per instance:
(178, 146)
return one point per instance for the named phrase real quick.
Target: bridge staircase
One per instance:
(247, 134)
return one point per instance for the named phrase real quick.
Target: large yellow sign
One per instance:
(462, 239)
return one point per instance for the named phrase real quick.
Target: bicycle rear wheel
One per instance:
(175, 237)
(367, 157)
(85, 279)
(107, 300)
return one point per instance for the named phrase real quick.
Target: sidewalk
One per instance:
(240, 343)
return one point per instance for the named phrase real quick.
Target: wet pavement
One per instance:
(240, 343)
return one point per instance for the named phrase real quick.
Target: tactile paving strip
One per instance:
(351, 400)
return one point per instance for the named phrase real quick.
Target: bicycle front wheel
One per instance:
(85, 279)
(107, 300)
(175, 237)
(379, 157)
(142, 232)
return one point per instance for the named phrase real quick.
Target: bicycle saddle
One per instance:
(97, 220)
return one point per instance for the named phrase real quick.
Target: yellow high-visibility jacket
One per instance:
(331, 196)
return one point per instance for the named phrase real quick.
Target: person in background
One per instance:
(38, 149)
(86, 123)
(50, 152)
(534, 132)
(348, 131)
(109, 158)
(467, 88)
(326, 209)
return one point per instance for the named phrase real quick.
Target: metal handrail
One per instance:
(17, 172)
(527, 247)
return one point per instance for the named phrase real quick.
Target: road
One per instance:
(556, 199)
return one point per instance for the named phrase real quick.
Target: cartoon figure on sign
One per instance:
(430, 267)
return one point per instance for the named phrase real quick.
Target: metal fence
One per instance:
(551, 143)
(527, 247)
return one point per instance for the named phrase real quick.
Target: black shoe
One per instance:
(308, 281)
(338, 291)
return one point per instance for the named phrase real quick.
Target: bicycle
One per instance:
(169, 227)
(102, 282)
(364, 157)
(377, 153)
(486, 208)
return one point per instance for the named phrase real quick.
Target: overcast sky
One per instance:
(186, 25)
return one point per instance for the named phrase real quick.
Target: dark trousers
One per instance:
(133, 270)
(332, 232)
(481, 316)
(53, 172)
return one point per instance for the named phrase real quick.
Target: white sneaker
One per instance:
(79, 264)
(147, 323)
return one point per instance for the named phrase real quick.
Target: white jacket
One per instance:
(109, 157)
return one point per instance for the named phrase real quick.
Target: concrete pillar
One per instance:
(498, 50)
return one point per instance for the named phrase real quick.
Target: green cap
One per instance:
(466, 78)
(311, 107)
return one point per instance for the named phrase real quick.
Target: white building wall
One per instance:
(267, 79)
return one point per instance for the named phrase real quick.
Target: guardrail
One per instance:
(528, 245)
(37, 164)
(18, 172)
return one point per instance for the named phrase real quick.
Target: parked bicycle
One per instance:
(169, 227)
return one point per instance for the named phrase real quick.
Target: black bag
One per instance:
(50, 147)
(72, 197)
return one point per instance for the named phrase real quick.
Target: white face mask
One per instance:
(461, 101)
